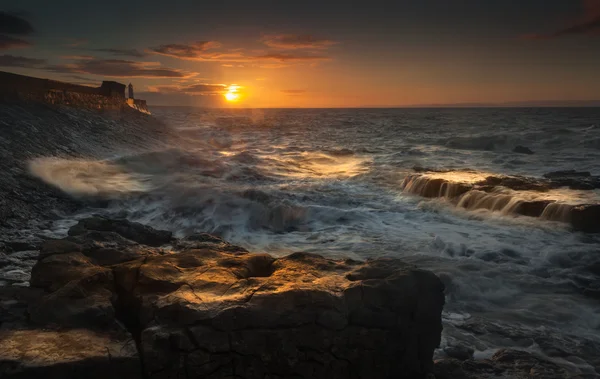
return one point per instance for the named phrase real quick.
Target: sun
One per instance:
(232, 94)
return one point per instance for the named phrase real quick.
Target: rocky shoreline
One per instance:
(120, 299)
(204, 308)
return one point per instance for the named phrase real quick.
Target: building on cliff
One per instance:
(112, 89)
(110, 95)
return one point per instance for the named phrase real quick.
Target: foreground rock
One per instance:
(202, 308)
(75, 353)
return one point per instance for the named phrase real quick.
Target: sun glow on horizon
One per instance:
(232, 94)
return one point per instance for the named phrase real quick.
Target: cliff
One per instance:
(109, 96)
(138, 105)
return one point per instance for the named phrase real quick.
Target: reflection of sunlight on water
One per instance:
(85, 177)
(226, 153)
(318, 165)
(562, 195)
(459, 176)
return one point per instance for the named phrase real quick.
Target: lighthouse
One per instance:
(130, 91)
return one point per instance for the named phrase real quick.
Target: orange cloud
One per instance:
(291, 58)
(182, 51)
(7, 42)
(296, 41)
(201, 51)
(119, 68)
(193, 89)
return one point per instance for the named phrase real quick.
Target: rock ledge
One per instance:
(202, 308)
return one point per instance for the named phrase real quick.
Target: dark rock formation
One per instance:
(523, 150)
(515, 182)
(504, 364)
(202, 308)
(459, 352)
(133, 231)
(573, 179)
(586, 218)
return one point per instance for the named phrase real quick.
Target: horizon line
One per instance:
(541, 104)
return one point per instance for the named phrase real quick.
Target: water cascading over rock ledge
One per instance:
(115, 296)
(563, 196)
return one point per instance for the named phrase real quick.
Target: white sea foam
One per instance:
(86, 177)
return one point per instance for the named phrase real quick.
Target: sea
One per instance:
(329, 181)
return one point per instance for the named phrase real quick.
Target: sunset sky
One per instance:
(313, 53)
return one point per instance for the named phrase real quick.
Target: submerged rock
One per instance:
(459, 352)
(134, 231)
(207, 309)
(567, 173)
(523, 150)
(582, 180)
(504, 364)
(586, 218)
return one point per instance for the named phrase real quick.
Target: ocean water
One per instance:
(329, 182)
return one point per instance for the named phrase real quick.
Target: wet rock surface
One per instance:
(201, 308)
(573, 179)
(74, 353)
(504, 364)
(570, 355)
(501, 193)
(523, 150)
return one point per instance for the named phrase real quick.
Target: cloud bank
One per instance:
(18, 61)
(119, 68)
(13, 25)
(132, 53)
(204, 51)
(192, 89)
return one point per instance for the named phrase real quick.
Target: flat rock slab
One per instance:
(66, 354)
(514, 195)
(301, 315)
(202, 308)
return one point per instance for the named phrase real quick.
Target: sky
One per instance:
(313, 53)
